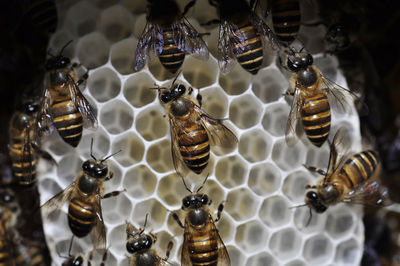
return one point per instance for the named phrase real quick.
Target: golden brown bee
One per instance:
(286, 19)
(29, 253)
(349, 179)
(310, 103)
(64, 106)
(192, 130)
(168, 35)
(84, 196)
(139, 245)
(8, 209)
(241, 36)
(202, 244)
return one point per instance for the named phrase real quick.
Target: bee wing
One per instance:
(369, 193)
(193, 43)
(84, 107)
(98, 233)
(28, 153)
(59, 199)
(179, 164)
(339, 98)
(223, 256)
(227, 39)
(44, 118)
(339, 150)
(187, 238)
(265, 31)
(218, 133)
(294, 118)
(149, 45)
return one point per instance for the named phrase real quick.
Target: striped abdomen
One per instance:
(5, 252)
(286, 20)
(81, 217)
(203, 249)
(23, 163)
(67, 120)
(31, 256)
(316, 117)
(249, 52)
(194, 146)
(171, 56)
(359, 168)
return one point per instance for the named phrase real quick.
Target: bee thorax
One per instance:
(198, 217)
(307, 77)
(180, 107)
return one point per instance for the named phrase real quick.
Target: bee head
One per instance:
(139, 243)
(57, 62)
(77, 261)
(195, 201)
(313, 200)
(95, 169)
(299, 61)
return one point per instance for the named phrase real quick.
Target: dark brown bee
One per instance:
(286, 20)
(84, 196)
(310, 103)
(8, 209)
(241, 36)
(168, 35)
(29, 253)
(139, 245)
(349, 179)
(202, 244)
(192, 130)
(78, 260)
(64, 106)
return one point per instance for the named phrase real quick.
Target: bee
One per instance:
(84, 196)
(8, 214)
(192, 129)
(202, 244)
(310, 103)
(349, 179)
(29, 253)
(241, 36)
(64, 106)
(169, 35)
(140, 244)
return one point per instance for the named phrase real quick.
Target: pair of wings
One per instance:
(369, 192)
(45, 119)
(151, 42)
(339, 99)
(230, 36)
(218, 134)
(98, 233)
(190, 232)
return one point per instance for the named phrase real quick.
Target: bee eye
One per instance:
(181, 89)
(32, 108)
(309, 60)
(312, 195)
(165, 98)
(204, 199)
(86, 166)
(64, 61)
(148, 242)
(293, 65)
(186, 203)
(132, 247)
(101, 172)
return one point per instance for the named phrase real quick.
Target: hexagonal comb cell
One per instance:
(159, 156)
(199, 73)
(104, 84)
(318, 250)
(236, 255)
(264, 179)
(151, 124)
(116, 209)
(285, 243)
(348, 252)
(136, 90)
(170, 190)
(251, 236)
(123, 54)
(274, 211)
(309, 222)
(92, 50)
(81, 18)
(241, 204)
(235, 82)
(296, 263)
(269, 85)
(340, 223)
(101, 144)
(287, 157)
(245, 111)
(215, 102)
(157, 213)
(260, 259)
(132, 149)
(295, 183)
(328, 66)
(140, 182)
(275, 119)
(231, 171)
(116, 116)
(255, 145)
(115, 23)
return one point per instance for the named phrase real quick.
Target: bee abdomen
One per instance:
(203, 250)
(286, 20)
(5, 256)
(68, 121)
(316, 117)
(171, 56)
(249, 52)
(32, 257)
(81, 217)
(194, 147)
(359, 168)
(23, 164)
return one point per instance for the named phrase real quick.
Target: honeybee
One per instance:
(349, 179)
(77, 260)
(310, 102)
(8, 209)
(169, 35)
(192, 129)
(84, 196)
(64, 106)
(241, 36)
(139, 245)
(29, 253)
(202, 244)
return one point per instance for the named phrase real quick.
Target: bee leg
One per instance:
(89, 263)
(154, 237)
(83, 78)
(169, 248)
(220, 209)
(288, 93)
(175, 216)
(199, 97)
(75, 65)
(188, 6)
(315, 169)
(109, 177)
(104, 259)
(113, 194)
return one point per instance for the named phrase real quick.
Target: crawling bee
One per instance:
(139, 245)
(84, 196)
(192, 130)
(310, 103)
(64, 106)
(8, 218)
(202, 244)
(349, 179)
(169, 35)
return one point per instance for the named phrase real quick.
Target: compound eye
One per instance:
(65, 61)
(186, 203)
(78, 261)
(181, 89)
(312, 195)
(309, 59)
(204, 199)
(132, 247)
(165, 98)
(32, 108)
(86, 166)
(101, 172)
(293, 65)
(148, 242)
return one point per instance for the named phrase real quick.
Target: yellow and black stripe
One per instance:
(249, 51)
(67, 120)
(23, 162)
(203, 249)
(81, 217)
(171, 57)
(316, 117)
(359, 168)
(286, 20)
(31, 256)
(194, 147)
(5, 252)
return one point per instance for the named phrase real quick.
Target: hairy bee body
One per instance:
(6, 249)
(286, 20)
(171, 56)
(81, 217)
(29, 256)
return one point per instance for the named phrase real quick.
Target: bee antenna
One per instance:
(91, 150)
(145, 222)
(111, 155)
(70, 246)
(183, 179)
(202, 185)
(173, 82)
(298, 206)
(309, 219)
(65, 46)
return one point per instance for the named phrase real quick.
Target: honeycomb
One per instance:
(259, 181)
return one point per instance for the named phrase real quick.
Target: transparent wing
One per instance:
(59, 200)
(223, 256)
(266, 32)
(193, 43)
(28, 154)
(339, 98)
(98, 233)
(339, 150)
(149, 45)
(227, 39)
(44, 119)
(369, 193)
(179, 165)
(293, 119)
(87, 111)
